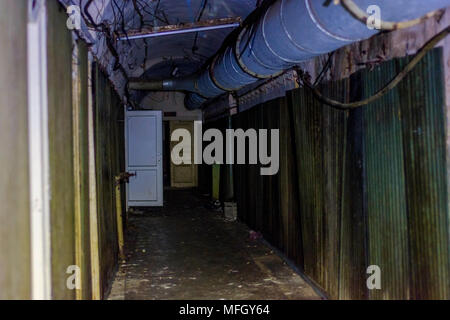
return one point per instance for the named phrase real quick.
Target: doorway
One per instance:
(183, 175)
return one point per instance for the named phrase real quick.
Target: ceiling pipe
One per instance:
(183, 84)
(289, 32)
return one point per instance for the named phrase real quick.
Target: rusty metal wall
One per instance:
(422, 112)
(81, 167)
(386, 194)
(68, 122)
(406, 187)
(369, 188)
(319, 134)
(353, 228)
(109, 144)
(60, 128)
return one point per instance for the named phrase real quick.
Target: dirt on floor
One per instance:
(186, 250)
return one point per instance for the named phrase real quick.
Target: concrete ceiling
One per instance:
(157, 58)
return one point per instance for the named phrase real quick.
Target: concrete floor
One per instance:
(186, 251)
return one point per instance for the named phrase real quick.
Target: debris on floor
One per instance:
(192, 254)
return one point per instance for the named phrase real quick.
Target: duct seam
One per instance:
(232, 66)
(213, 78)
(263, 28)
(283, 24)
(319, 25)
(241, 63)
(227, 69)
(252, 53)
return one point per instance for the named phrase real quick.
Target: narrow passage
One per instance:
(187, 251)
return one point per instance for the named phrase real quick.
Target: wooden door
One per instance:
(184, 175)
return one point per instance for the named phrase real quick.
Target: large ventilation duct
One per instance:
(289, 32)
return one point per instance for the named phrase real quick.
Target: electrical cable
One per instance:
(391, 85)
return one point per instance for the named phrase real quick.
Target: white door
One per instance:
(143, 134)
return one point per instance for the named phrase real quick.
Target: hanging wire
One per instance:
(388, 87)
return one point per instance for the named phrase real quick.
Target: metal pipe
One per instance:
(119, 219)
(185, 84)
(146, 85)
(123, 177)
(289, 32)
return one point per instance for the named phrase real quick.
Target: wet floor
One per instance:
(187, 251)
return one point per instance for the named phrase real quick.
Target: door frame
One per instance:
(39, 152)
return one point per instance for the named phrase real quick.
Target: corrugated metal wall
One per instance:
(357, 188)
(109, 145)
(319, 133)
(81, 167)
(258, 197)
(68, 156)
(60, 126)
(386, 207)
(69, 160)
